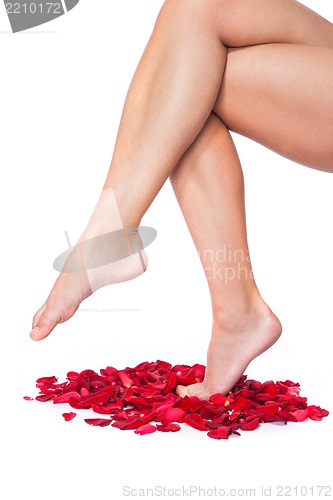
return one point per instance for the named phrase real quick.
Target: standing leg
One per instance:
(171, 97)
(208, 183)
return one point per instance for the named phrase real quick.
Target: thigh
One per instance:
(281, 95)
(251, 22)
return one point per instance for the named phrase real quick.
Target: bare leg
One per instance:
(171, 96)
(208, 183)
(263, 97)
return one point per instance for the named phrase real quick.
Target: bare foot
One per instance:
(232, 348)
(80, 278)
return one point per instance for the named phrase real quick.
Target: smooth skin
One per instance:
(262, 68)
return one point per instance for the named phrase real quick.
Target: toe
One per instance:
(181, 390)
(44, 324)
(38, 315)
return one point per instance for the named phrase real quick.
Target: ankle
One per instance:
(238, 316)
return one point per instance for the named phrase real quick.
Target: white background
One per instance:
(62, 89)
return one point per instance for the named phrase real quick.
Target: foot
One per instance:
(71, 288)
(232, 348)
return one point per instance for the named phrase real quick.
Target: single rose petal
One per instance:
(264, 396)
(101, 409)
(235, 415)
(69, 416)
(136, 401)
(269, 387)
(44, 397)
(219, 433)
(270, 407)
(241, 403)
(129, 424)
(195, 421)
(168, 427)
(207, 414)
(125, 379)
(28, 398)
(145, 429)
(197, 371)
(184, 404)
(246, 393)
(98, 422)
(316, 413)
(250, 426)
(287, 416)
(197, 404)
(218, 399)
(171, 382)
(164, 364)
(266, 417)
(46, 380)
(64, 398)
(301, 415)
(182, 380)
(163, 408)
(173, 414)
(254, 386)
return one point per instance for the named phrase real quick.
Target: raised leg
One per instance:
(281, 95)
(172, 94)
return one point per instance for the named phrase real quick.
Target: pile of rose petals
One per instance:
(143, 399)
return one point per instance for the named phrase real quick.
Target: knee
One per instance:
(330, 162)
(186, 10)
(322, 161)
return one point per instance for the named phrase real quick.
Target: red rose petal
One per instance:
(28, 398)
(164, 364)
(98, 422)
(126, 380)
(316, 413)
(218, 399)
(286, 415)
(219, 433)
(168, 428)
(171, 382)
(270, 407)
(145, 429)
(64, 398)
(69, 416)
(266, 417)
(196, 421)
(134, 398)
(46, 380)
(173, 415)
(241, 403)
(184, 404)
(269, 387)
(301, 415)
(250, 426)
(44, 397)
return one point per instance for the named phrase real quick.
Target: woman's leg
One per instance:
(255, 101)
(179, 77)
(281, 96)
(208, 183)
(171, 96)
